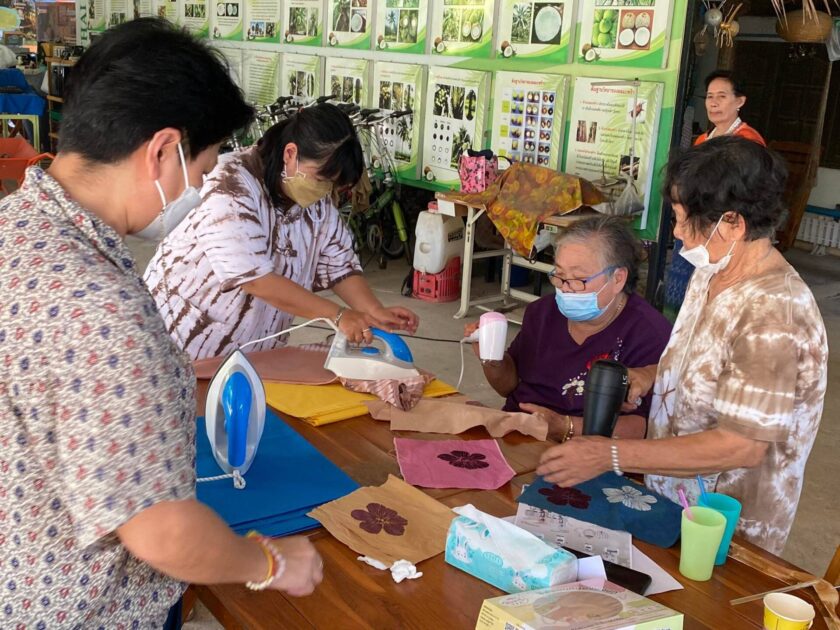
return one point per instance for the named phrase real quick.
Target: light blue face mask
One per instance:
(581, 307)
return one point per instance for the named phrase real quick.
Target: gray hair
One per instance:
(617, 245)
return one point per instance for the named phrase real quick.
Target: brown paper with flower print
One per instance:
(394, 521)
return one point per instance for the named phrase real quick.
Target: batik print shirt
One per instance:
(237, 235)
(96, 419)
(752, 361)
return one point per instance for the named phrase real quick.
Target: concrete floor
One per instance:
(816, 533)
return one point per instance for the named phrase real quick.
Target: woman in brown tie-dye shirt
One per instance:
(738, 393)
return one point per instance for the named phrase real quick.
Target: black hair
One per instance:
(726, 75)
(620, 247)
(728, 174)
(323, 134)
(144, 76)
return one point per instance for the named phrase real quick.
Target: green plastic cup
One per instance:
(700, 542)
(731, 510)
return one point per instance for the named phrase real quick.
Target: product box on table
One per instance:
(592, 604)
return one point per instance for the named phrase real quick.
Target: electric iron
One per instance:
(370, 363)
(235, 415)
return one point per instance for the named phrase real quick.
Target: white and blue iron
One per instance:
(370, 363)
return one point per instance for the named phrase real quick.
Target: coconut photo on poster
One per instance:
(300, 77)
(228, 20)
(462, 27)
(398, 87)
(349, 24)
(401, 25)
(302, 22)
(535, 29)
(347, 80)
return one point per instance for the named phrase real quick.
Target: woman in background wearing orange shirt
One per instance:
(724, 100)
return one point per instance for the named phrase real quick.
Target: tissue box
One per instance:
(593, 604)
(505, 556)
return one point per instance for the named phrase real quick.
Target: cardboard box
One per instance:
(592, 604)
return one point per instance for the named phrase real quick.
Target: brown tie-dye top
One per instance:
(237, 235)
(752, 361)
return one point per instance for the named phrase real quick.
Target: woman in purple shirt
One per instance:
(593, 314)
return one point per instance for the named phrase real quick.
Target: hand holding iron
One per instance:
(304, 567)
(391, 318)
(356, 326)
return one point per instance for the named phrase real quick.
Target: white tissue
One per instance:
(376, 564)
(400, 570)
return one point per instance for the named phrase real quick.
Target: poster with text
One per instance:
(349, 24)
(454, 121)
(228, 20)
(624, 32)
(347, 80)
(142, 8)
(462, 27)
(261, 70)
(194, 17)
(96, 15)
(528, 120)
(398, 87)
(303, 22)
(263, 19)
(233, 56)
(601, 127)
(118, 12)
(301, 77)
(401, 25)
(536, 29)
(167, 10)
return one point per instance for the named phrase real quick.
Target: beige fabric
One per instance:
(752, 361)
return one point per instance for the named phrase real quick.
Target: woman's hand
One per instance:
(558, 423)
(576, 461)
(391, 318)
(356, 326)
(641, 382)
(304, 567)
(468, 330)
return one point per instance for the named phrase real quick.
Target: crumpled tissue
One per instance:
(400, 570)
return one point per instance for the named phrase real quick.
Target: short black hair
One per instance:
(726, 75)
(728, 174)
(144, 76)
(324, 134)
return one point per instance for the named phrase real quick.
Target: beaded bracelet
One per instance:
(614, 454)
(339, 315)
(276, 562)
(571, 432)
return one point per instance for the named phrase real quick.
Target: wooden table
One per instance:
(354, 595)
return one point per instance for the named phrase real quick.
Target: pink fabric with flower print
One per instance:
(473, 464)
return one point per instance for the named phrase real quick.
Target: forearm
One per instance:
(504, 377)
(289, 297)
(189, 542)
(355, 291)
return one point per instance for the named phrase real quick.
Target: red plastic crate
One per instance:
(439, 287)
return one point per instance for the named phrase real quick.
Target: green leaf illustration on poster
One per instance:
(401, 26)
(300, 76)
(349, 24)
(463, 28)
(538, 30)
(303, 22)
(399, 87)
(228, 20)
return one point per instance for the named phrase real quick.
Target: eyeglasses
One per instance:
(575, 285)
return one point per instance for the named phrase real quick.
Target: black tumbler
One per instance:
(605, 390)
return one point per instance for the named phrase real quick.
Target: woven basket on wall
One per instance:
(798, 28)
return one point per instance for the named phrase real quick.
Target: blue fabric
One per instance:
(645, 514)
(14, 78)
(676, 278)
(288, 478)
(30, 104)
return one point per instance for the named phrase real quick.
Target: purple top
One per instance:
(552, 367)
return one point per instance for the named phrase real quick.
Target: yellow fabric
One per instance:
(324, 404)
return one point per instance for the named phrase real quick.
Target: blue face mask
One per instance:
(580, 307)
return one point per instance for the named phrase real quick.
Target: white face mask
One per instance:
(172, 213)
(699, 256)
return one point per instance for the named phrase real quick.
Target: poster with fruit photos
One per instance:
(463, 28)
(401, 25)
(349, 23)
(303, 22)
(263, 21)
(398, 87)
(194, 17)
(624, 32)
(228, 20)
(300, 76)
(347, 80)
(600, 147)
(536, 30)
(454, 121)
(528, 121)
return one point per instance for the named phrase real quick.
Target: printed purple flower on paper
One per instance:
(378, 517)
(566, 496)
(463, 459)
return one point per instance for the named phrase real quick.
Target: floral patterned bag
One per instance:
(477, 170)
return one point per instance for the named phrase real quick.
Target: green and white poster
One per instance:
(624, 32)
(228, 20)
(601, 130)
(399, 87)
(194, 17)
(263, 19)
(118, 12)
(233, 56)
(401, 25)
(349, 24)
(261, 70)
(454, 121)
(303, 22)
(462, 28)
(300, 76)
(528, 120)
(143, 8)
(347, 80)
(539, 30)
(168, 10)
(97, 18)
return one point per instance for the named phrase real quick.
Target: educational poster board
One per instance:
(624, 32)
(263, 19)
(303, 22)
(462, 28)
(96, 15)
(261, 70)
(600, 133)
(168, 10)
(401, 25)
(454, 121)
(347, 80)
(228, 20)
(118, 12)
(398, 87)
(194, 17)
(528, 122)
(539, 30)
(300, 76)
(234, 58)
(142, 8)
(349, 23)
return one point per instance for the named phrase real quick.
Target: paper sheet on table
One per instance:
(456, 414)
(661, 580)
(474, 464)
